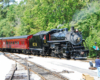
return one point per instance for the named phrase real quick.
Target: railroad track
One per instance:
(61, 58)
(93, 60)
(45, 74)
(11, 75)
(69, 59)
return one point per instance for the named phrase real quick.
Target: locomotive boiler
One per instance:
(73, 36)
(59, 43)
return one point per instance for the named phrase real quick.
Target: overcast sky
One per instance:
(18, 1)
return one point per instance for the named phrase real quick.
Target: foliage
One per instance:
(31, 16)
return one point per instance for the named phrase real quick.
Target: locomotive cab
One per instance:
(38, 44)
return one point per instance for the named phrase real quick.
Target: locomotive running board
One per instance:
(36, 49)
(56, 41)
(80, 58)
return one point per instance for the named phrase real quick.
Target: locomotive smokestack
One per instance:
(72, 29)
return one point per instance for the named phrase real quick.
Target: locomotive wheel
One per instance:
(33, 53)
(60, 56)
(27, 52)
(38, 54)
(56, 55)
(74, 58)
(43, 55)
(65, 57)
(43, 52)
(68, 57)
(14, 51)
(24, 51)
(53, 54)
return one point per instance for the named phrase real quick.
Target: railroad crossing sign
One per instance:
(96, 47)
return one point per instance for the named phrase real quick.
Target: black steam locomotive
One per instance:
(58, 43)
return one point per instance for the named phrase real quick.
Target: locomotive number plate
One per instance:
(34, 44)
(44, 41)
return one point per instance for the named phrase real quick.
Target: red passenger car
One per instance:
(15, 44)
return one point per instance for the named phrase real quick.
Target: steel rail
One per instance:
(13, 72)
(26, 67)
(65, 58)
(83, 60)
(53, 73)
(15, 67)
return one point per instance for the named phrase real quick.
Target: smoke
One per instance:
(84, 13)
(60, 25)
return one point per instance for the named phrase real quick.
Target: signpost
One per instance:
(96, 48)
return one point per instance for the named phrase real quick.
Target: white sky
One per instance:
(18, 0)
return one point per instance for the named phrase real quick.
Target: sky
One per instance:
(18, 0)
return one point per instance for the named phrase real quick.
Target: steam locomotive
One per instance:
(56, 42)
(59, 43)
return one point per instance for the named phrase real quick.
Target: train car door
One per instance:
(10, 45)
(45, 39)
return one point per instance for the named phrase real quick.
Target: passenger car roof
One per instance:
(0, 38)
(15, 37)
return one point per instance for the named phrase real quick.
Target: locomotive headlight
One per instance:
(78, 39)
